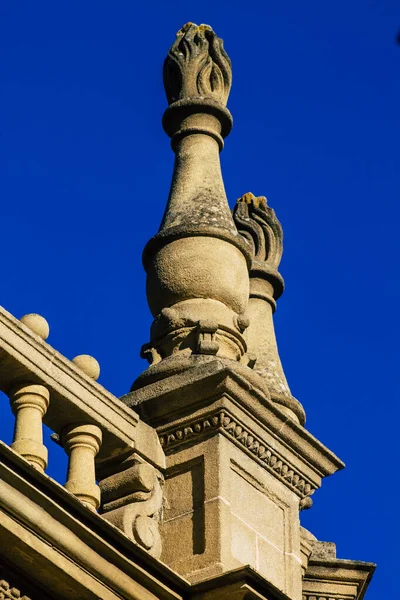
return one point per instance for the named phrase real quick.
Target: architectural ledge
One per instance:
(338, 578)
(241, 584)
(24, 357)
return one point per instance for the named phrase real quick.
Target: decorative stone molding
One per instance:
(225, 423)
(189, 337)
(197, 66)
(319, 597)
(9, 592)
(64, 552)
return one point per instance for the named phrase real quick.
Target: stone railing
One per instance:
(105, 441)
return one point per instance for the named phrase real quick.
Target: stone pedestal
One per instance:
(238, 470)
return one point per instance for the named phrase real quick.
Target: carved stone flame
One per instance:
(197, 66)
(258, 224)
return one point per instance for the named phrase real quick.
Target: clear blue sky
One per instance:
(85, 171)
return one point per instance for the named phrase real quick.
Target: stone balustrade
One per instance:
(103, 439)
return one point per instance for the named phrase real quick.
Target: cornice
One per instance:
(352, 577)
(221, 421)
(163, 402)
(241, 583)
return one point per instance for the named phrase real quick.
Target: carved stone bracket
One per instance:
(132, 501)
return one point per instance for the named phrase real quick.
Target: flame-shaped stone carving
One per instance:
(197, 66)
(258, 224)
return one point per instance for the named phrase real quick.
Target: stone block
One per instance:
(271, 560)
(243, 542)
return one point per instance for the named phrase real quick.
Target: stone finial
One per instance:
(88, 364)
(257, 223)
(197, 264)
(37, 324)
(197, 66)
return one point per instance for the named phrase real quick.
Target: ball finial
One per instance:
(88, 364)
(37, 324)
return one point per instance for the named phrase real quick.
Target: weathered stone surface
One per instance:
(213, 483)
(64, 551)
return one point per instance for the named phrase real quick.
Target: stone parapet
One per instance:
(75, 396)
(100, 435)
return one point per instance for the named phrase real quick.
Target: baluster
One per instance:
(29, 403)
(82, 443)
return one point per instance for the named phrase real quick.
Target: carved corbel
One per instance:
(132, 501)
